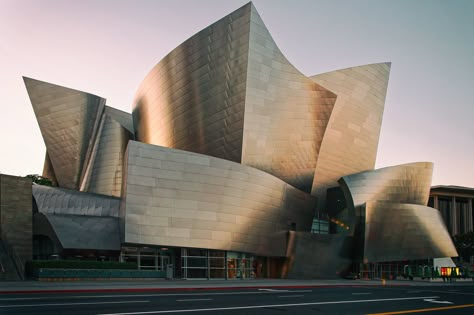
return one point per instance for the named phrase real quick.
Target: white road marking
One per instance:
(290, 296)
(273, 290)
(191, 300)
(440, 302)
(361, 293)
(69, 304)
(436, 291)
(271, 305)
(145, 295)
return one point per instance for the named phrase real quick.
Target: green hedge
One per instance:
(78, 264)
(97, 273)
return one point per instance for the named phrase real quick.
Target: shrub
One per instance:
(76, 264)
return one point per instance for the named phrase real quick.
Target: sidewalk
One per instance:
(188, 285)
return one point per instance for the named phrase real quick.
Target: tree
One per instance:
(40, 180)
(465, 245)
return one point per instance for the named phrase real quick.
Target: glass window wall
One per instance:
(146, 258)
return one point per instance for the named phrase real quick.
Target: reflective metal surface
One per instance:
(397, 225)
(48, 170)
(406, 183)
(63, 201)
(104, 171)
(286, 113)
(68, 120)
(179, 198)
(236, 148)
(351, 139)
(398, 231)
(194, 98)
(229, 92)
(85, 139)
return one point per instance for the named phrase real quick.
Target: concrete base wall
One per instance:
(313, 256)
(16, 217)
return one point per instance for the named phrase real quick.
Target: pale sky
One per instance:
(107, 47)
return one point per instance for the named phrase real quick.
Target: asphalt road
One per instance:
(449, 299)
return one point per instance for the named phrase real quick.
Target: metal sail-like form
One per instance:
(68, 120)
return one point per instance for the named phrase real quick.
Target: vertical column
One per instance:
(454, 217)
(435, 202)
(139, 262)
(208, 262)
(470, 218)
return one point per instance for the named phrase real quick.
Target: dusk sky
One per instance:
(107, 47)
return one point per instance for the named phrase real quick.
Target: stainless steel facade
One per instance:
(406, 183)
(400, 231)
(68, 120)
(85, 139)
(286, 113)
(179, 198)
(352, 135)
(397, 224)
(104, 172)
(229, 92)
(194, 98)
(77, 220)
(235, 151)
(64, 201)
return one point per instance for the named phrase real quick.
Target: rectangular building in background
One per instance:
(455, 205)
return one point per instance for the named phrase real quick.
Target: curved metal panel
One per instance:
(123, 118)
(406, 183)
(286, 113)
(396, 232)
(104, 172)
(352, 135)
(68, 120)
(229, 92)
(178, 198)
(194, 98)
(48, 171)
(63, 201)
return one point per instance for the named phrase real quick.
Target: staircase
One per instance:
(8, 270)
